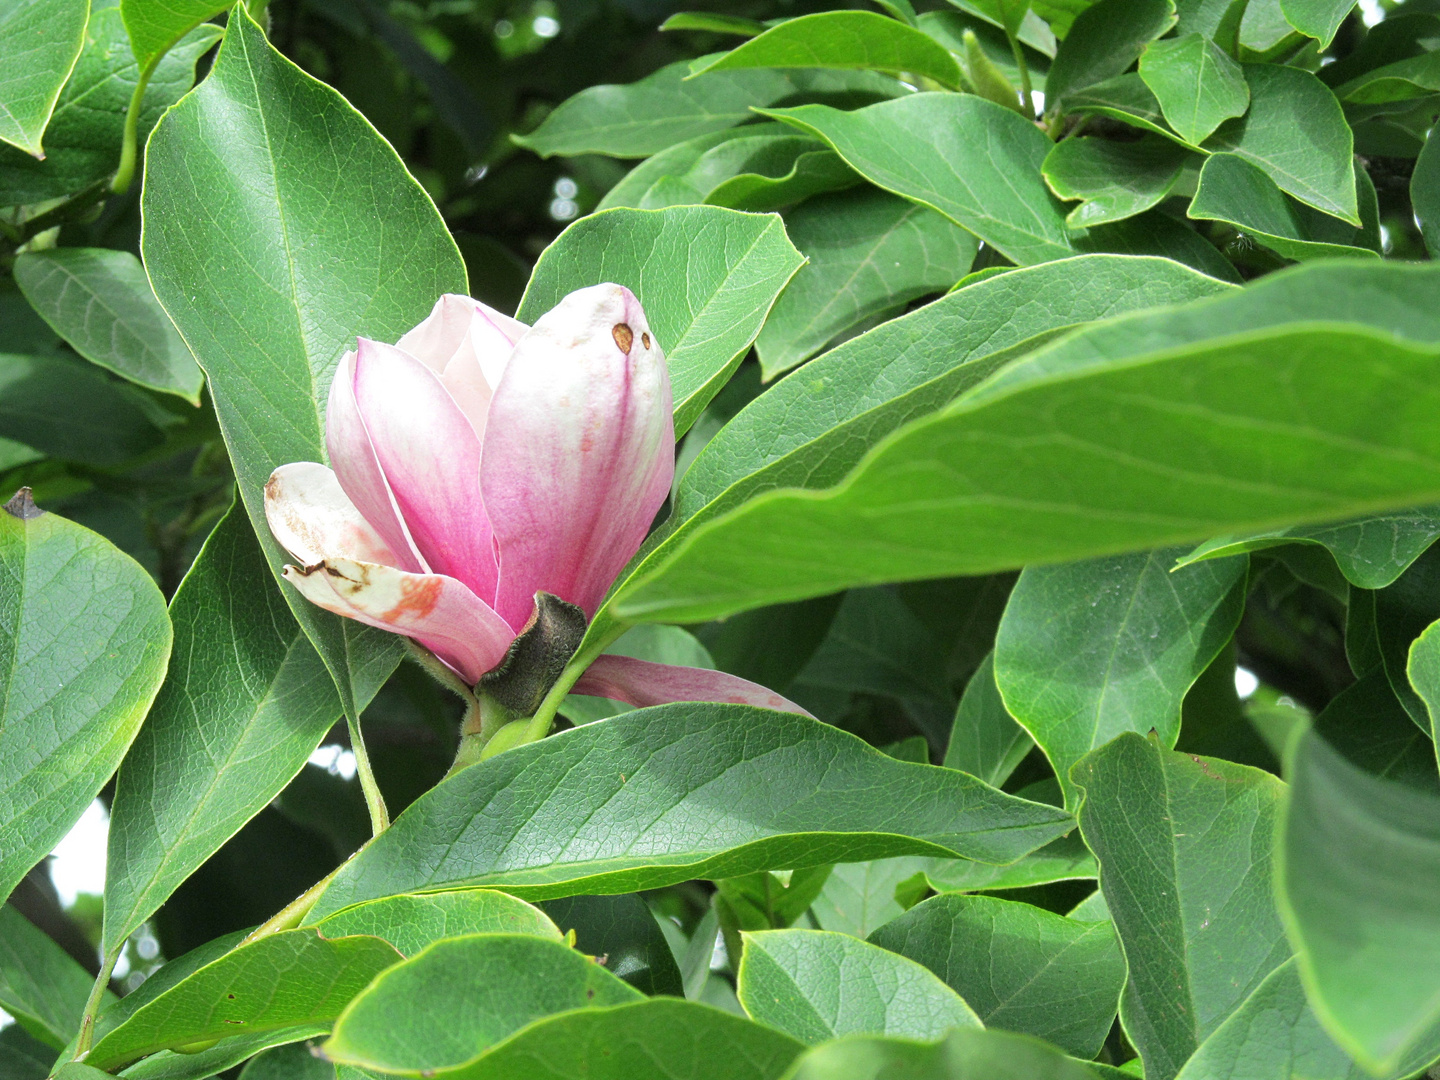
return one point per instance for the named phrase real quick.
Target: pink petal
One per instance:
(642, 683)
(434, 341)
(435, 610)
(579, 451)
(314, 520)
(467, 344)
(358, 471)
(430, 457)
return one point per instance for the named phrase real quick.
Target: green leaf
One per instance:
(40, 41)
(985, 740)
(1402, 612)
(706, 276)
(964, 1054)
(656, 1039)
(1366, 723)
(1318, 19)
(809, 432)
(979, 164)
(246, 702)
(668, 107)
(155, 26)
(1315, 165)
(1371, 552)
(200, 1065)
(1115, 180)
(1425, 194)
(289, 1062)
(612, 808)
(1125, 98)
(85, 643)
(1105, 39)
(287, 979)
(318, 236)
(859, 898)
(1404, 80)
(410, 923)
(713, 22)
(955, 30)
(99, 300)
(1358, 866)
(819, 986)
(1092, 649)
(1229, 394)
(1184, 844)
(40, 984)
(844, 39)
(1065, 859)
(1274, 1035)
(869, 252)
(812, 173)
(1423, 671)
(1197, 84)
(1020, 968)
(24, 1057)
(67, 408)
(82, 143)
(485, 986)
(622, 929)
(1234, 191)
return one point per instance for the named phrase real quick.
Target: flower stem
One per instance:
(374, 801)
(129, 140)
(1026, 94)
(92, 1004)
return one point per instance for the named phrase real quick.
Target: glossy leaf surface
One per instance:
(40, 41)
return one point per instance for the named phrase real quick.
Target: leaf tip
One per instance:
(22, 505)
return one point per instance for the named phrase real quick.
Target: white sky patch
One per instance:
(1039, 97)
(335, 759)
(1371, 11)
(5, 1019)
(1246, 682)
(79, 862)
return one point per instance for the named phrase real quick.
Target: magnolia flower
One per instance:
(479, 463)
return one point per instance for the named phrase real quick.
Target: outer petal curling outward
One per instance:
(435, 610)
(642, 683)
(313, 519)
(578, 452)
(358, 470)
(430, 457)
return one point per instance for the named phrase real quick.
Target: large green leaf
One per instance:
(1233, 190)
(40, 41)
(85, 642)
(155, 26)
(669, 107)
(1401, 613)
(1092, 649)
(447, 1005)
(976, 162)
(410, 922)
(1318, 19)
(1115, 180)
(246, 702)
(1358, 866)
(1105, 39)
(624, 930)
(40, 983)
(82, 143)
(844, 39)
(287, 979)
(614, 807)
(707, 277)
(99, 300)
(985, 740)
(1224, 415)
(810, 431)
(869, 253)
(1196, 83)
(859, 898)
(1425, 195)
(1371, 552)
(194, 1064)
(1423, 672)
(1296, 133)
(656, 1039)
(1184, 844)
(1066, 859)
(1274, 1035)
(1019, 967)
(965, 1054)
(819, 986)
(317, 236)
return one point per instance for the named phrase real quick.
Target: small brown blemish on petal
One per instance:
(624, 337)
(645, 339)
